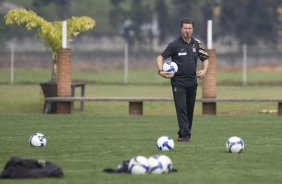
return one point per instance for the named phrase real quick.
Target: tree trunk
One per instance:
(54, 71)
(49, 89)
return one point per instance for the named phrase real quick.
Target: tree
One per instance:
(250, 21)
(7, 32)
(60, 8)
(162, 17)
(49, 32)
(193, 9)
(132, 18)
(119, 13)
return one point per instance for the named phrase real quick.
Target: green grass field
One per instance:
(84, 143)
(36, 75)
(29, 99)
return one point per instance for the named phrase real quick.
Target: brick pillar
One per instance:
(64, 80)
(209, 84)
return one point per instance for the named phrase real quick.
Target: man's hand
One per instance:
(166, 75)
(201, 74)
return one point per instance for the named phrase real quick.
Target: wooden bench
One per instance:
(80, 85)
(136, 103)
(210, 103)
(50, 90)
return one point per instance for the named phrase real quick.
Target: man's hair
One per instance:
(186, 21)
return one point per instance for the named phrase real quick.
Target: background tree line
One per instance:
(247, 21)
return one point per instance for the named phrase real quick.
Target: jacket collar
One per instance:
(191, 42)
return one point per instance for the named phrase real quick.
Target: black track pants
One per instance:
(184, 100)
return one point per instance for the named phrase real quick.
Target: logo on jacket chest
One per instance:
(182, 52)
(193, 48)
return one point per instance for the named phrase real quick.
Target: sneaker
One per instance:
(183, 139)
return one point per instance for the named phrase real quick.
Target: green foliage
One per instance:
(130, 16)
(99, 10)
(162, 17)
(54, 10)
(50, 32)
(239, 19)
(7, 32)
(240, 22)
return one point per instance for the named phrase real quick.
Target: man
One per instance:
(184, 51)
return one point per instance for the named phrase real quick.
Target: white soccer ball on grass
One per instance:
(156, 166)
(166, 162)
(138, 165)
(235, 145)
(160, 164)
(37, 140)
(165, 143)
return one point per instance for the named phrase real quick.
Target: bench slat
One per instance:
(128, 99)
(239, 100)
(142, 99)
(136, 103)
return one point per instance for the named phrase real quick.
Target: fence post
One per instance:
(245, 65)
(12, 72)
(126, 63)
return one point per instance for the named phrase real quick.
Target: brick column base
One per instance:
(209, 84)
(64, 80)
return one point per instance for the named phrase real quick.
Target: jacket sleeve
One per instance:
(203, 55)
(168, 52)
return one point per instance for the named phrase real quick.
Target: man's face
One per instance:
(187, 30)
